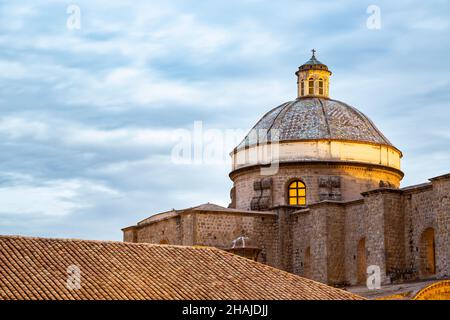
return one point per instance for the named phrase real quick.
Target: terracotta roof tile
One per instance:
(36, 268)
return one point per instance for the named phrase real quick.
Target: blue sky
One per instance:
(87, 115)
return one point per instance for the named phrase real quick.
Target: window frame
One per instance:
(321, 87)
(300, 197)
(311, 86)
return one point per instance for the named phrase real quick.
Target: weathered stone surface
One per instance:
(355, 215)
(315, 118)
(352, 180)
(321, 241)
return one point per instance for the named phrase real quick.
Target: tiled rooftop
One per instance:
(36, 268)
(316, 119)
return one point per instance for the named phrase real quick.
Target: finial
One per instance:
(314, 52)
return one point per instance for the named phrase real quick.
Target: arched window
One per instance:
(297, 193)
(302, 88)
(311, 86)
(320, 86)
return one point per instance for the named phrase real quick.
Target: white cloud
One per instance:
(13, 16)
(71, 134)
(71, 98)
(125, 88)
(18, 128)
(29, 195)
(116, 138)
(432, 24)
(12, 70)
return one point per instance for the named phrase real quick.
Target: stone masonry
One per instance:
(321, 240)
(333, 206)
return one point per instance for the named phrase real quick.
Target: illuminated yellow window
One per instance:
(321, 86)
(311, 86)
(297, 193)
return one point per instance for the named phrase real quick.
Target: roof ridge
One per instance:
(325, 117)
(283, 110)
(123, 243)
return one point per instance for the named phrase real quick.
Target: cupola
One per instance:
(313, 78)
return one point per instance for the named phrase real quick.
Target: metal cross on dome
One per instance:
(313, 51)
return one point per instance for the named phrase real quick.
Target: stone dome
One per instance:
(315, 119)
(333, 150)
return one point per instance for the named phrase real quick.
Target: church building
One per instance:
(316, 192)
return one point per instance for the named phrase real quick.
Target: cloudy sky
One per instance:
(88, 115)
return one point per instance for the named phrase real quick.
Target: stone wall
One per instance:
(336, 245)
(319, 250)
(353, 180)
(392, 222)
(355, 229)
(302, 230)
(318, 236)
(216, 229)
(167, 231)
(220, 229)
(428, 206)
(394, 235)
(322, 241)
(129, 234)
(441, 206)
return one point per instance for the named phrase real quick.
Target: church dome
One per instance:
(315, 128)
(311, 149)
(315, 119)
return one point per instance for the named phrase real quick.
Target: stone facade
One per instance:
(352, 179)
(210, 225)
(322, 241)
(391, 221)
(355, 215)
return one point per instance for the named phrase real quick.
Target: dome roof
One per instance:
(313, 63)
(315, 119)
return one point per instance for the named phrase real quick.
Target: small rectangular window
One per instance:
(311, 86)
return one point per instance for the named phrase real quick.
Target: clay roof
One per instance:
(37, 268)
(316, 119)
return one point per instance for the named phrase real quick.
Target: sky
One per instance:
(95, 96)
